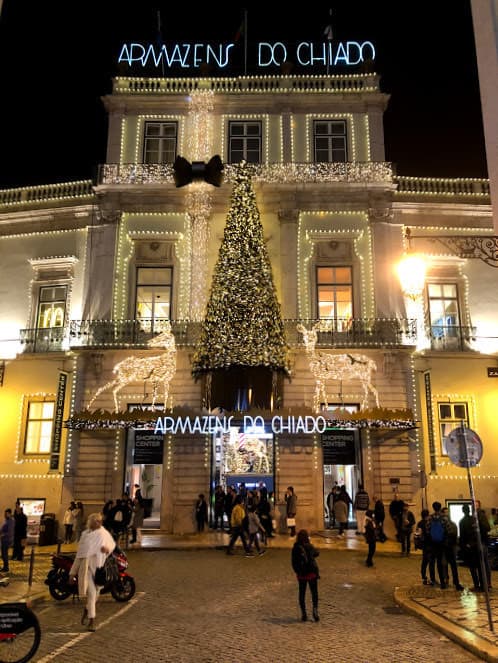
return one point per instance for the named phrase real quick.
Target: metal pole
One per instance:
(31, 566)
(463, 454)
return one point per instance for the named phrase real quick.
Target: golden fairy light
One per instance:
(158, 369)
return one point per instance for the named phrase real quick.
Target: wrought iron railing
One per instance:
(452, 337)
(49, 339)
(339, 333)
(355, 332)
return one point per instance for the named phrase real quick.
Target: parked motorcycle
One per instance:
(122, 586)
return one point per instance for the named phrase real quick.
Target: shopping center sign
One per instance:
(212, 424)
(192, 56)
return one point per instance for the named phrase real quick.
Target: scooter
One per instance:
(122, 586)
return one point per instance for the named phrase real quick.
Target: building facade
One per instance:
(98, 278)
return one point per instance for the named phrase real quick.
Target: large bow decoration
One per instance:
(186, 172)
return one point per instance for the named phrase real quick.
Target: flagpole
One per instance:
(245, 42)
(160, 38)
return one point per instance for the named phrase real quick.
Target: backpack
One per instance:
(436, 531)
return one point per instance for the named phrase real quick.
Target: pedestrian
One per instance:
(436, 531)
(7, 534)
(379, 515)
(361, 504)
(138, 493)
(237, 526)
(304, 564)
(97, 546)
(291, 509)
(395, 511)
(341, 510)
(229, 504)
(450, 552)
(79, 519)
(370, 536)
(137, 521)
(421, 542)
(254, 527)
(20, 533)
(407, 523)
(265, 516)
(219, 506)
(68, 522)
(201, 513)
(470, 549)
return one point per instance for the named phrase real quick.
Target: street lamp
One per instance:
(411, 273)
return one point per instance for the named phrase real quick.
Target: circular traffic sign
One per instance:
(464, 447)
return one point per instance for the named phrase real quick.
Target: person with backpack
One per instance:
(303, 559)
(437, 535)
(450, 551)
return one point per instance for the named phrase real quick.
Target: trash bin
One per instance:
(48, 530)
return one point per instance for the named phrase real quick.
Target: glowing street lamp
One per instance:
(411, 274)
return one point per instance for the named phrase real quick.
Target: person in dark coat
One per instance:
(395, 511)
(379, 515)
(407, 523)
(20, 533)
(291, 509)
(201, 512)
(370, 536)
(219, 506)
(303, 561)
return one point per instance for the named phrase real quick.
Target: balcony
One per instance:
(340, 333)
(364, 172)
(356, 332)
(48, 339)
(452, 339)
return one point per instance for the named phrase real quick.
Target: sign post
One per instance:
(465, 450)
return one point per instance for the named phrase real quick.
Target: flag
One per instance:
(327, 33)
(240, 32)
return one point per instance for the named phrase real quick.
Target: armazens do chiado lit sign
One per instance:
(191, 56)
(212, 424)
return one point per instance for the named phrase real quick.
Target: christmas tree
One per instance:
(243, 326)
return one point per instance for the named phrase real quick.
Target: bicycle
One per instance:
(20, 633)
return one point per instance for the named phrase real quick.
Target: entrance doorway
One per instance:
(144, 466)
(341, 463)
(242, 458)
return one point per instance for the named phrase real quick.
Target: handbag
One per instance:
(291, 522)
(107, 573)
(100, 577)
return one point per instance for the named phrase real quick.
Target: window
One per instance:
(244, 142)
(160, 142)
(52, 306)
(39, 422)
(335, 295)
(153, 297)
(451, 416)
(443, 309)
(330, 141)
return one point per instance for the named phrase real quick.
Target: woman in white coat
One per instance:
(94, 548)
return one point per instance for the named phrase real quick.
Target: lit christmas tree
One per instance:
(243, 328)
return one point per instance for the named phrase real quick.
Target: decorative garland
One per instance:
(373, 419)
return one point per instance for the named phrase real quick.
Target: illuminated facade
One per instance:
(94, 273)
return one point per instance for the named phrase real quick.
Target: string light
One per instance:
(33, 194)
(159, 369)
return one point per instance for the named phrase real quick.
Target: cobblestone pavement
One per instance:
(202, 606)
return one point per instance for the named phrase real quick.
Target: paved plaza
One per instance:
(198, 605)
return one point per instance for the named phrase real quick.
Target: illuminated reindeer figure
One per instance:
(158, 369)
(336, 367)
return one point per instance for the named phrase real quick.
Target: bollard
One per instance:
(31, 566)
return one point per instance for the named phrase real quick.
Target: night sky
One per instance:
(57, 59)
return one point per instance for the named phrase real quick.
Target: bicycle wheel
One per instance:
(21, 646)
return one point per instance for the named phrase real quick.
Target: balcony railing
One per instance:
(356, 332)
(49, 339)
(339, 333)
(365, 172)
(454, 338)
(442, 186)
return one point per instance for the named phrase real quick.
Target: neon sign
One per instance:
(192, 56)
(212, 424)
